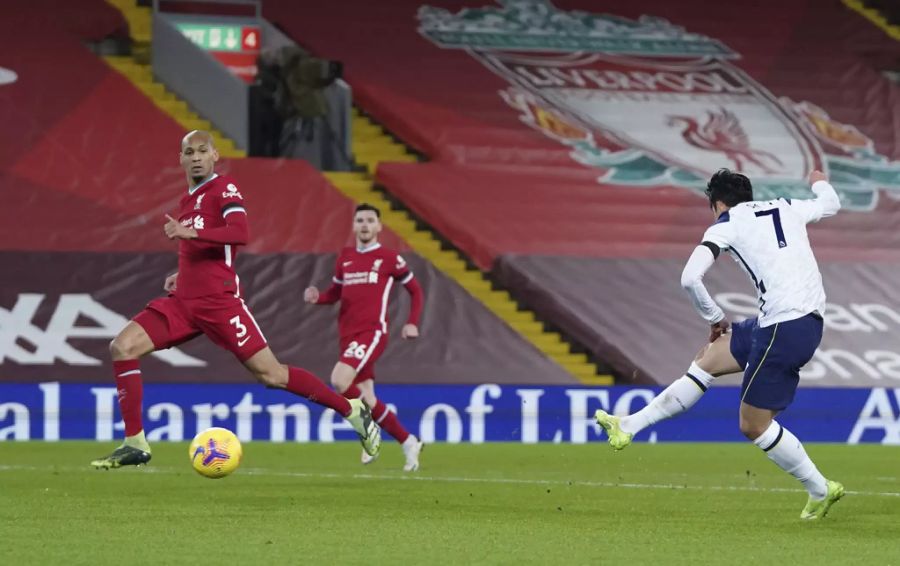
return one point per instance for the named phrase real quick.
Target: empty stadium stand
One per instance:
(568, 150)
(88, 166)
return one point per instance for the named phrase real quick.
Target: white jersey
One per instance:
(768, 240)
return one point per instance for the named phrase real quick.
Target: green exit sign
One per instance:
(216, 37)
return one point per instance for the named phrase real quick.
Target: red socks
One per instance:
(130, 388)
(305, 384)
(389, 422)
(131, 394)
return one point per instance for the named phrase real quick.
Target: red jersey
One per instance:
(363, 282)
(215, 209)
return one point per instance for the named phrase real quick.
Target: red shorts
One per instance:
(360, 351)
(225, 319)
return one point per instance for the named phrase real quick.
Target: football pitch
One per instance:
(483, 504)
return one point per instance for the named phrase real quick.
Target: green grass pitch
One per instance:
(486, 504)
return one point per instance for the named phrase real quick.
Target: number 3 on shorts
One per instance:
(241, 330)
(355, 350)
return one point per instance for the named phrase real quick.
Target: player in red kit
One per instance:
(363, 278)
(205, 298)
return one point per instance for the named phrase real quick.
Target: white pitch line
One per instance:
(456, 479)
(567, 483)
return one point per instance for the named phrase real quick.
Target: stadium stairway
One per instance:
(136, 69)
(140, 26)
(875, 17)
(371, 145)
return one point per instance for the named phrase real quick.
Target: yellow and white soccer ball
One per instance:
(215, 452)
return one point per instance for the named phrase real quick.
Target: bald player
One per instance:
(204, 297)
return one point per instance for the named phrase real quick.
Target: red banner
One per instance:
(559, 104)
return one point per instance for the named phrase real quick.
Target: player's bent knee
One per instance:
(342, 377)
(751, 429)
(131, 343)
(123, 348)
(709, 366)
(115, 349)
(699, 356)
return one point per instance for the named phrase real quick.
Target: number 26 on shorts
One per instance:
(355, 350)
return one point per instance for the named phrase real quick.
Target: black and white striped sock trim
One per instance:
(697, 381)
(777, 439)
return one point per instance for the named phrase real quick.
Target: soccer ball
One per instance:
(215, 452)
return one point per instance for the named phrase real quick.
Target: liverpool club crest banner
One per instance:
(649, 103)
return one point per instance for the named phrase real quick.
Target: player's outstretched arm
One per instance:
(825, 194)
(827, 203)
(692, 282)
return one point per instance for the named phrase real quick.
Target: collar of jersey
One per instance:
(208, 179)
(369, 249)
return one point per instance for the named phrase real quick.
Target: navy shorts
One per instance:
(772, 358)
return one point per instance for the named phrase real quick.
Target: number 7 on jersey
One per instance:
(776, 221)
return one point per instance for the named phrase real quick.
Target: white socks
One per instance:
(674, 399)
(779, 444)
(783, 448)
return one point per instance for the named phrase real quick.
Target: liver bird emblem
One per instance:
(722, 132)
